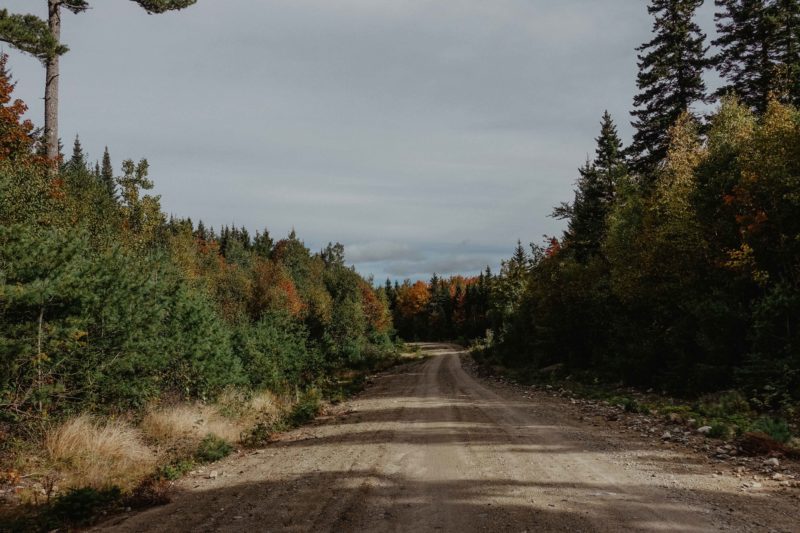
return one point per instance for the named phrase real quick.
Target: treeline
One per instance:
(680, 266)
(443, 309)
(107, 304)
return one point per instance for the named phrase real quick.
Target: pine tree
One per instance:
(786, 14)
(594, 196)
(670, 79)
(42, 39)
(107, 175)
(519, 260)
(746, 41)
(609, 154)
(263, 244)
(78, 160)
(200, 233)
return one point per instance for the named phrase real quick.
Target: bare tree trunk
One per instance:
(51, 84)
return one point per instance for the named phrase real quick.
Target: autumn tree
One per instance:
(16, 134)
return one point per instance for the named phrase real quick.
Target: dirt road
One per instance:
(430, 448)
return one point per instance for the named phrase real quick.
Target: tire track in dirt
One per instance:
(430, 448)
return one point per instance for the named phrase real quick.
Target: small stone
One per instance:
(772, 461)
(704, 430)
(777, 476)
(213, 474)
(666, 436)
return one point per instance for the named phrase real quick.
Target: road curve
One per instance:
(430, 448)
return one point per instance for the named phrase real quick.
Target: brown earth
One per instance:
(428, 447)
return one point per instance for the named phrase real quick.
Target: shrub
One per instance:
(306, 409)
(213, 448)
(630, 405)
(116, 331)
(720, 431)
(776, 428)
(175, 470)
(723, 405)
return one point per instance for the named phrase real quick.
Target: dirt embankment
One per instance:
(431, 448)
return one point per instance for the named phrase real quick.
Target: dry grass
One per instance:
(263, 407)
(180, 428)
(89, 453)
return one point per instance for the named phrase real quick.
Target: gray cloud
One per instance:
(380, 251)
(359, 121)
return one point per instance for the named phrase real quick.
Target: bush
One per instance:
(116, 329)
(307, 408)
(775, 428)
(724, 405)
(720, 431)
(213, 448)
(175, 470)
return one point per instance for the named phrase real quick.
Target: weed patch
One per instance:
(212, 448)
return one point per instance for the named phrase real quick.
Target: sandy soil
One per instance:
(428, 447)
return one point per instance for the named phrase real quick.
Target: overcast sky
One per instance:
(425, 135)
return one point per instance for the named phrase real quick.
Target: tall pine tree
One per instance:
(670, 80)
(594, 195)
(759, 57)
(107, 174)
(786, 14)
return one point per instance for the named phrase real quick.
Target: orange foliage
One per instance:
(374, 308)
(273, 289)
(412, 299)
(16, 134)
(553, 248)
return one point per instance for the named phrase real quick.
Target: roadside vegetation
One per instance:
(679, 270)
(134, 345)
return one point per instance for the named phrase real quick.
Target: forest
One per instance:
(137, 344)
(121, 326)
(679, 269)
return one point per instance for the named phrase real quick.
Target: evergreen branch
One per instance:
(29, 34)
(162, 6)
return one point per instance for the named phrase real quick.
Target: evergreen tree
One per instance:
(107, 174)
(786, 14)
(42, 39)
(746, 41)
(263, 243)
(594, 195)
(78, 160)
(670, 79)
